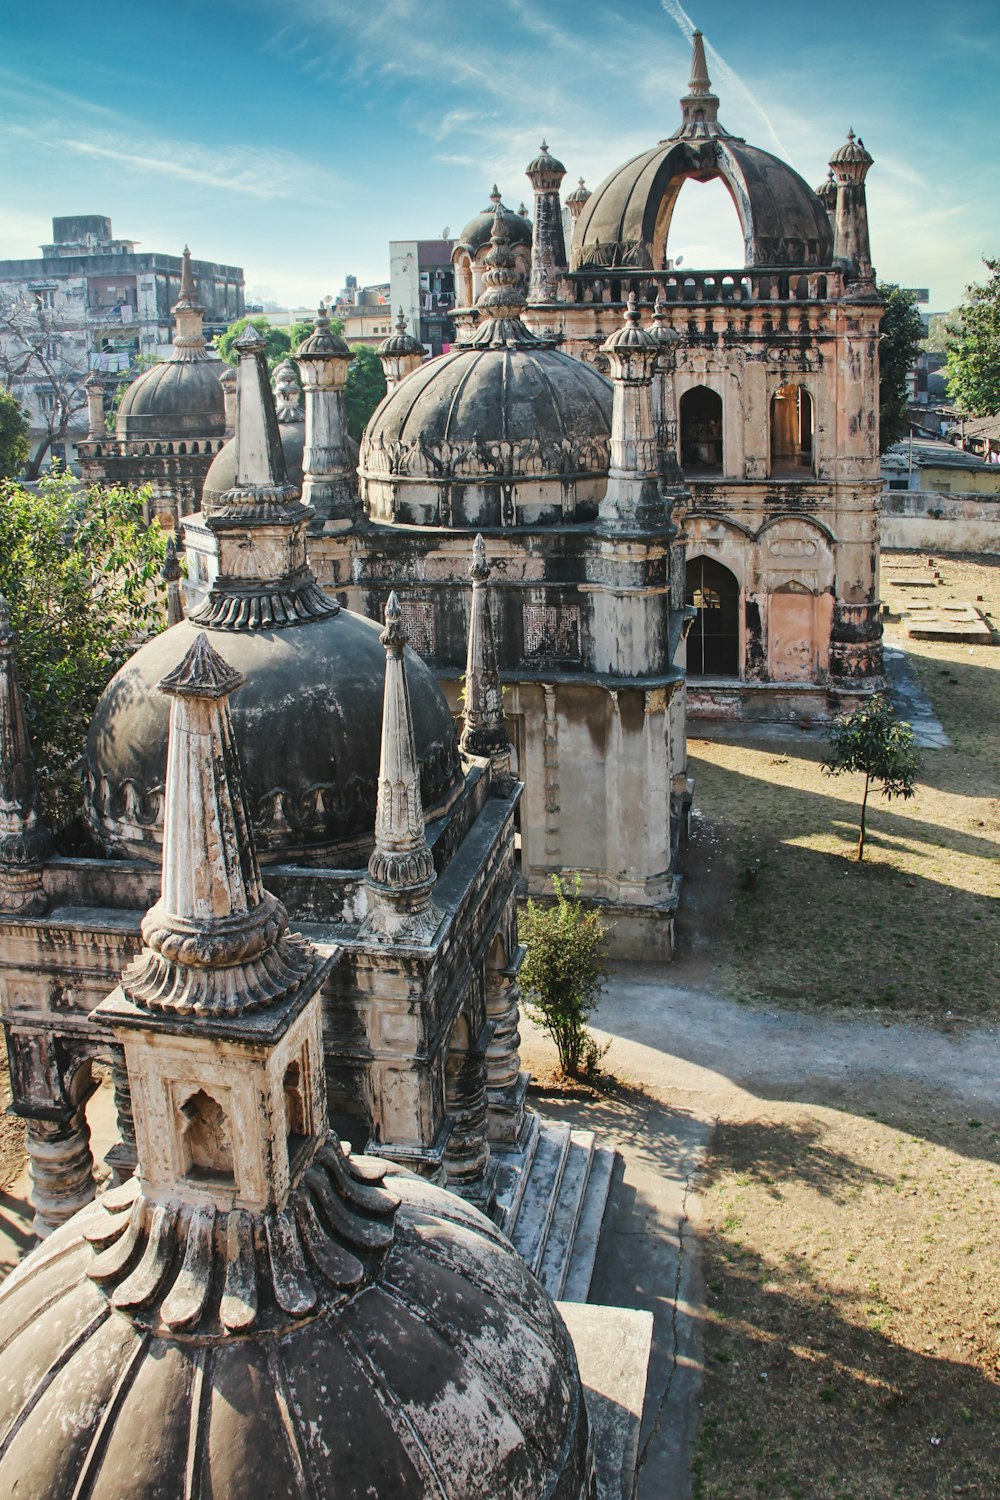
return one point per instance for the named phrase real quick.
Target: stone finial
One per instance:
(25, 841)
(853, 160)
(261, 476)
(484, 732)
(287, 393)
(329, 479)
(699, 106)
(189, 339)
(632, 500)
(401, 871)
(660, 330)
(502, 300)
(400, 353)
(544, 172)
(171, 576)
(578, 199)
(216, 943)
(94, 387)
(323, 343)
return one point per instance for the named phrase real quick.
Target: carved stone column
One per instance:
(122, 1157)
(61, 1168)
(467, 1153)
(506, 1085)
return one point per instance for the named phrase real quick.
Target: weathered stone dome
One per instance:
(477, 232)
(485, 420)
(176, 399)
(433, 1363)
(308, 722)
(221, 474)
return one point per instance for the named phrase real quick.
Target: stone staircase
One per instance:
(551, 1197)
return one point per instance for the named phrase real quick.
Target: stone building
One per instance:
(171, 422)
(768, 393)
(101, 302)
(382, 841)
(255, 1309)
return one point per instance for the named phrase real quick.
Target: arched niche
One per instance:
(463, 280)
(206, 1139)
(701, 431)
(792, 432)
(713, 648)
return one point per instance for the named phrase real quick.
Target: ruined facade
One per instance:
(768, 394)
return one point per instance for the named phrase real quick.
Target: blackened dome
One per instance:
(308, 721)
(176, 399)
(437, 1365)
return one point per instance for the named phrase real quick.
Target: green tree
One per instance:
(276, 340)
(305, 326)
(79, 570)
(364, 389)
(564, 971)
(899, 344)
(15, 445)
(878, 745)
(943, 329)
(974, 353)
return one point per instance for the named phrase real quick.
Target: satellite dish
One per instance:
(679, 261)
(446, 231)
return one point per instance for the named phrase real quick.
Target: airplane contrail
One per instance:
(722, 70)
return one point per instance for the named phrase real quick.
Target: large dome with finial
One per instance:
(505, 429)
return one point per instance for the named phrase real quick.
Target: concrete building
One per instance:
(94, 302)
(422, 283)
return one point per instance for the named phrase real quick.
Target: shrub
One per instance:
(563, 973)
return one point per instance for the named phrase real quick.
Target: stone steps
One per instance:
(557, 1225)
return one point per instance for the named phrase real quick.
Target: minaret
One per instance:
(170, 573)
(189, 340)
(850, 166)
(25, 841)
(264, 578)
(242, 1207)
(228, 381)
(667, 340)
(94, 387)
(548, 247)
(578, 199)
(632, 500)
(699, 106)
(400, 353)
(287, 394)
(827, 195)
(401, 871)
(327, 483)
(484, 733)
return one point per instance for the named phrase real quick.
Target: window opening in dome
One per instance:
(791, 431)
(207, 1144)
(705, 231)
(296, 1122)
(701, 431)
(714, 641)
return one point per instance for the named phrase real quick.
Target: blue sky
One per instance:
(297, 140)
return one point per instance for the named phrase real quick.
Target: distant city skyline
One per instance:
(299, 147)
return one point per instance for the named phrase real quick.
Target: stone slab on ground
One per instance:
(612, 1348)
(956, 621)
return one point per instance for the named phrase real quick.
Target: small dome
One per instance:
(852, 153)
(580, 193)
(480, 417)
(322, 343)
(544, 164)
(400, 341)
(176, 399)
(436, 1364)
(477, 232)
(308, 721)
(827, 192)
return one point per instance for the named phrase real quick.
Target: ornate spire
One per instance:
(401, 871)
(632, 500)
(216, 943)
(502, 300)
(287, 393)
(264, 578)
(484, 732)
(661, 331)
(24, 839)
(699, 106)
(851, 244)
(189, 340)
(400, 353)
(171, 576)
(548, 244)
(578, 199)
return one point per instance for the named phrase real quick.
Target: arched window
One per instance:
(791, 431)
(207, 1145)
(701, 431)
(714, 641)
(463, 277)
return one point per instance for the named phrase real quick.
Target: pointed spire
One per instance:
(24, 839)
(699, 106)
(216, 943)
(401, 871)
(171, 576)
(484, 732)
(261, 476)
(189, 340)
(502, 301)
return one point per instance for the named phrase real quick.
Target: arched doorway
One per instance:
(701, 431)
(714, 641)
(791, 431)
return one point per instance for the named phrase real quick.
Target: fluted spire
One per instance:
(171, 576)
(699, 106)
(548, 245)
(502, 300)
(264, 578)
(484, 732)
(189, 340)
(401, 871)
(216, 943)
(24, 839)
